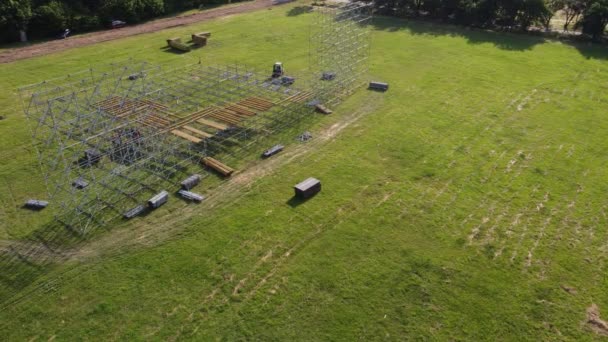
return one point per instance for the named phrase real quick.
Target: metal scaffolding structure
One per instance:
(340, 43)
(111, 137)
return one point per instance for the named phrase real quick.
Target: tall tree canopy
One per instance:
(590, 15)
(16, 14)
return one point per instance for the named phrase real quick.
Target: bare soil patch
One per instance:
(598, 325)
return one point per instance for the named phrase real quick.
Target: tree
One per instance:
(50, 19)
(573, 10)
(553, 6)
(532, 11)
(16, 13)
(595, 18)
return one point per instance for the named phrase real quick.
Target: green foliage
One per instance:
(522, 14)
(49, 19)
(16, 13)
(46, 18)
(595, 18)
(131, 10)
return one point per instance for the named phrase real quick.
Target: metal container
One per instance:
(158, 200)
(36, 204)
(272, 151)
(378, 86)
(191, 196)
(134, 212)
(308, 188)
(191, 182)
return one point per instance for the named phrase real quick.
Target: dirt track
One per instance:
(39, 49)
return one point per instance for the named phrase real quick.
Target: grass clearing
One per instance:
(459, 206)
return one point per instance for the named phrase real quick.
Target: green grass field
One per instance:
(466, 203)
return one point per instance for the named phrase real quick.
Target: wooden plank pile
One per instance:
(156, 121)
(299, 97)
(217, 166)
(197, 132)
(256, 103)
(176, 43)
(227, 116)
(186, 136)
(322, 109)
(212, 124)
(200, 38)
(240, 110)
(121, 108)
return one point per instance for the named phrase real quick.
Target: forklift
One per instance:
(277, 70)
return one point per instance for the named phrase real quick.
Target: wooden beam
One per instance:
(186, 136)
(197, 132)
(212, 124)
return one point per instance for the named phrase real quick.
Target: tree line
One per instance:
(23, 19)
(590, 16)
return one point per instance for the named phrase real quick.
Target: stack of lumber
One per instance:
(299, 97)
(176, 43)
(212, 124)
(201, 38)
(192, 130)
(240, 110)
(156, 121)
(197, 115)
(119, 107)
(227, 116)
(152, 113)
(257, 103)
(186, 136)
(322, 109)
(217, 166)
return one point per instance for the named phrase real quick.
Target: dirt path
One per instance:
(39, 49)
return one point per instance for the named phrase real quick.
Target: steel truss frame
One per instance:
(132, 129)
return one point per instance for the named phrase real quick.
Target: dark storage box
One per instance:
(272, 151)
(36, 204)
(191, 196)
(158, 200)
(134, 212)
(191, 182)
(378, 86)
(308, 188)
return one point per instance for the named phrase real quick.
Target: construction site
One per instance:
(115, 140)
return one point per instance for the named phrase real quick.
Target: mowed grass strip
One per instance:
(466, 204)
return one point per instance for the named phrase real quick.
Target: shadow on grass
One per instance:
(295, 202)
(26, 261)
(173, 51)
(511, 41)
(298, 10)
